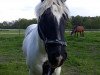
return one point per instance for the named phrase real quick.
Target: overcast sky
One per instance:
(15, 9)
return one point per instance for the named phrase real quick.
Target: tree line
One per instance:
(87, 22)
(17, 24)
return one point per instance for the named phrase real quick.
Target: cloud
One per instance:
(15, 9)
(84, 8)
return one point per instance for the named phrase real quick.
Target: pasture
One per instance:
(83, 54)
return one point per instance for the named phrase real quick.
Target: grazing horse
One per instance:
(78, 29)
(44, 44)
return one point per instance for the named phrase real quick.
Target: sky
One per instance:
(15, 9)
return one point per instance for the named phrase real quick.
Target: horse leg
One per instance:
(47, 70)
(34, 70)
(77, 34)
(57, 71)
(30, 72)
(83, 33)
(80, 34)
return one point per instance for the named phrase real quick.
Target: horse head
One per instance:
(51, 26)
(54, 42)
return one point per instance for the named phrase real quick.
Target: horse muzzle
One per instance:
(59, 62)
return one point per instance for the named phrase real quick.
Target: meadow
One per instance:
(83, 54)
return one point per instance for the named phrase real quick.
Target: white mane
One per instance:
(60, 7)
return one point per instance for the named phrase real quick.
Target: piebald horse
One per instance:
(44, 44)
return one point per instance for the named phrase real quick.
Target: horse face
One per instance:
(56, 54)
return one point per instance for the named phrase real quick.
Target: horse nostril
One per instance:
(59, 59)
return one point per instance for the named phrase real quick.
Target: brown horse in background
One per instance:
(78, 29)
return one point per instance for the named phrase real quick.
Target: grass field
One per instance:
(83, 54)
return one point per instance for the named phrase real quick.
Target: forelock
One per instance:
(40, 8)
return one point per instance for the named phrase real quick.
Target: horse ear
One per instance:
(63, 1)
(42, 0)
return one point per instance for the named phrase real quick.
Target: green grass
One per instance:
(83, 54)
(11, 31)
(12, 61)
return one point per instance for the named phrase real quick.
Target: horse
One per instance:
(44, 45)
(78, 29)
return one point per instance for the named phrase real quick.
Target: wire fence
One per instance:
(11, 37)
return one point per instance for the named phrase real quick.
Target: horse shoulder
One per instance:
(30, 44)
(30, 28)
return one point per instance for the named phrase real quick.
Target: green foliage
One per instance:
(87, 22)
(12, 61)
(69, 24)
(77, 20)
(17, 24)
(83, 54)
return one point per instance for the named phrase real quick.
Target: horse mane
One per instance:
(61, 8)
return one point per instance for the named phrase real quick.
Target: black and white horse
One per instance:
(44, 44)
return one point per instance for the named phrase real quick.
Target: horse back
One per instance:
(80, 28)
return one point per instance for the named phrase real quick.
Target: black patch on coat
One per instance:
(47, 68)
(49, 29)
